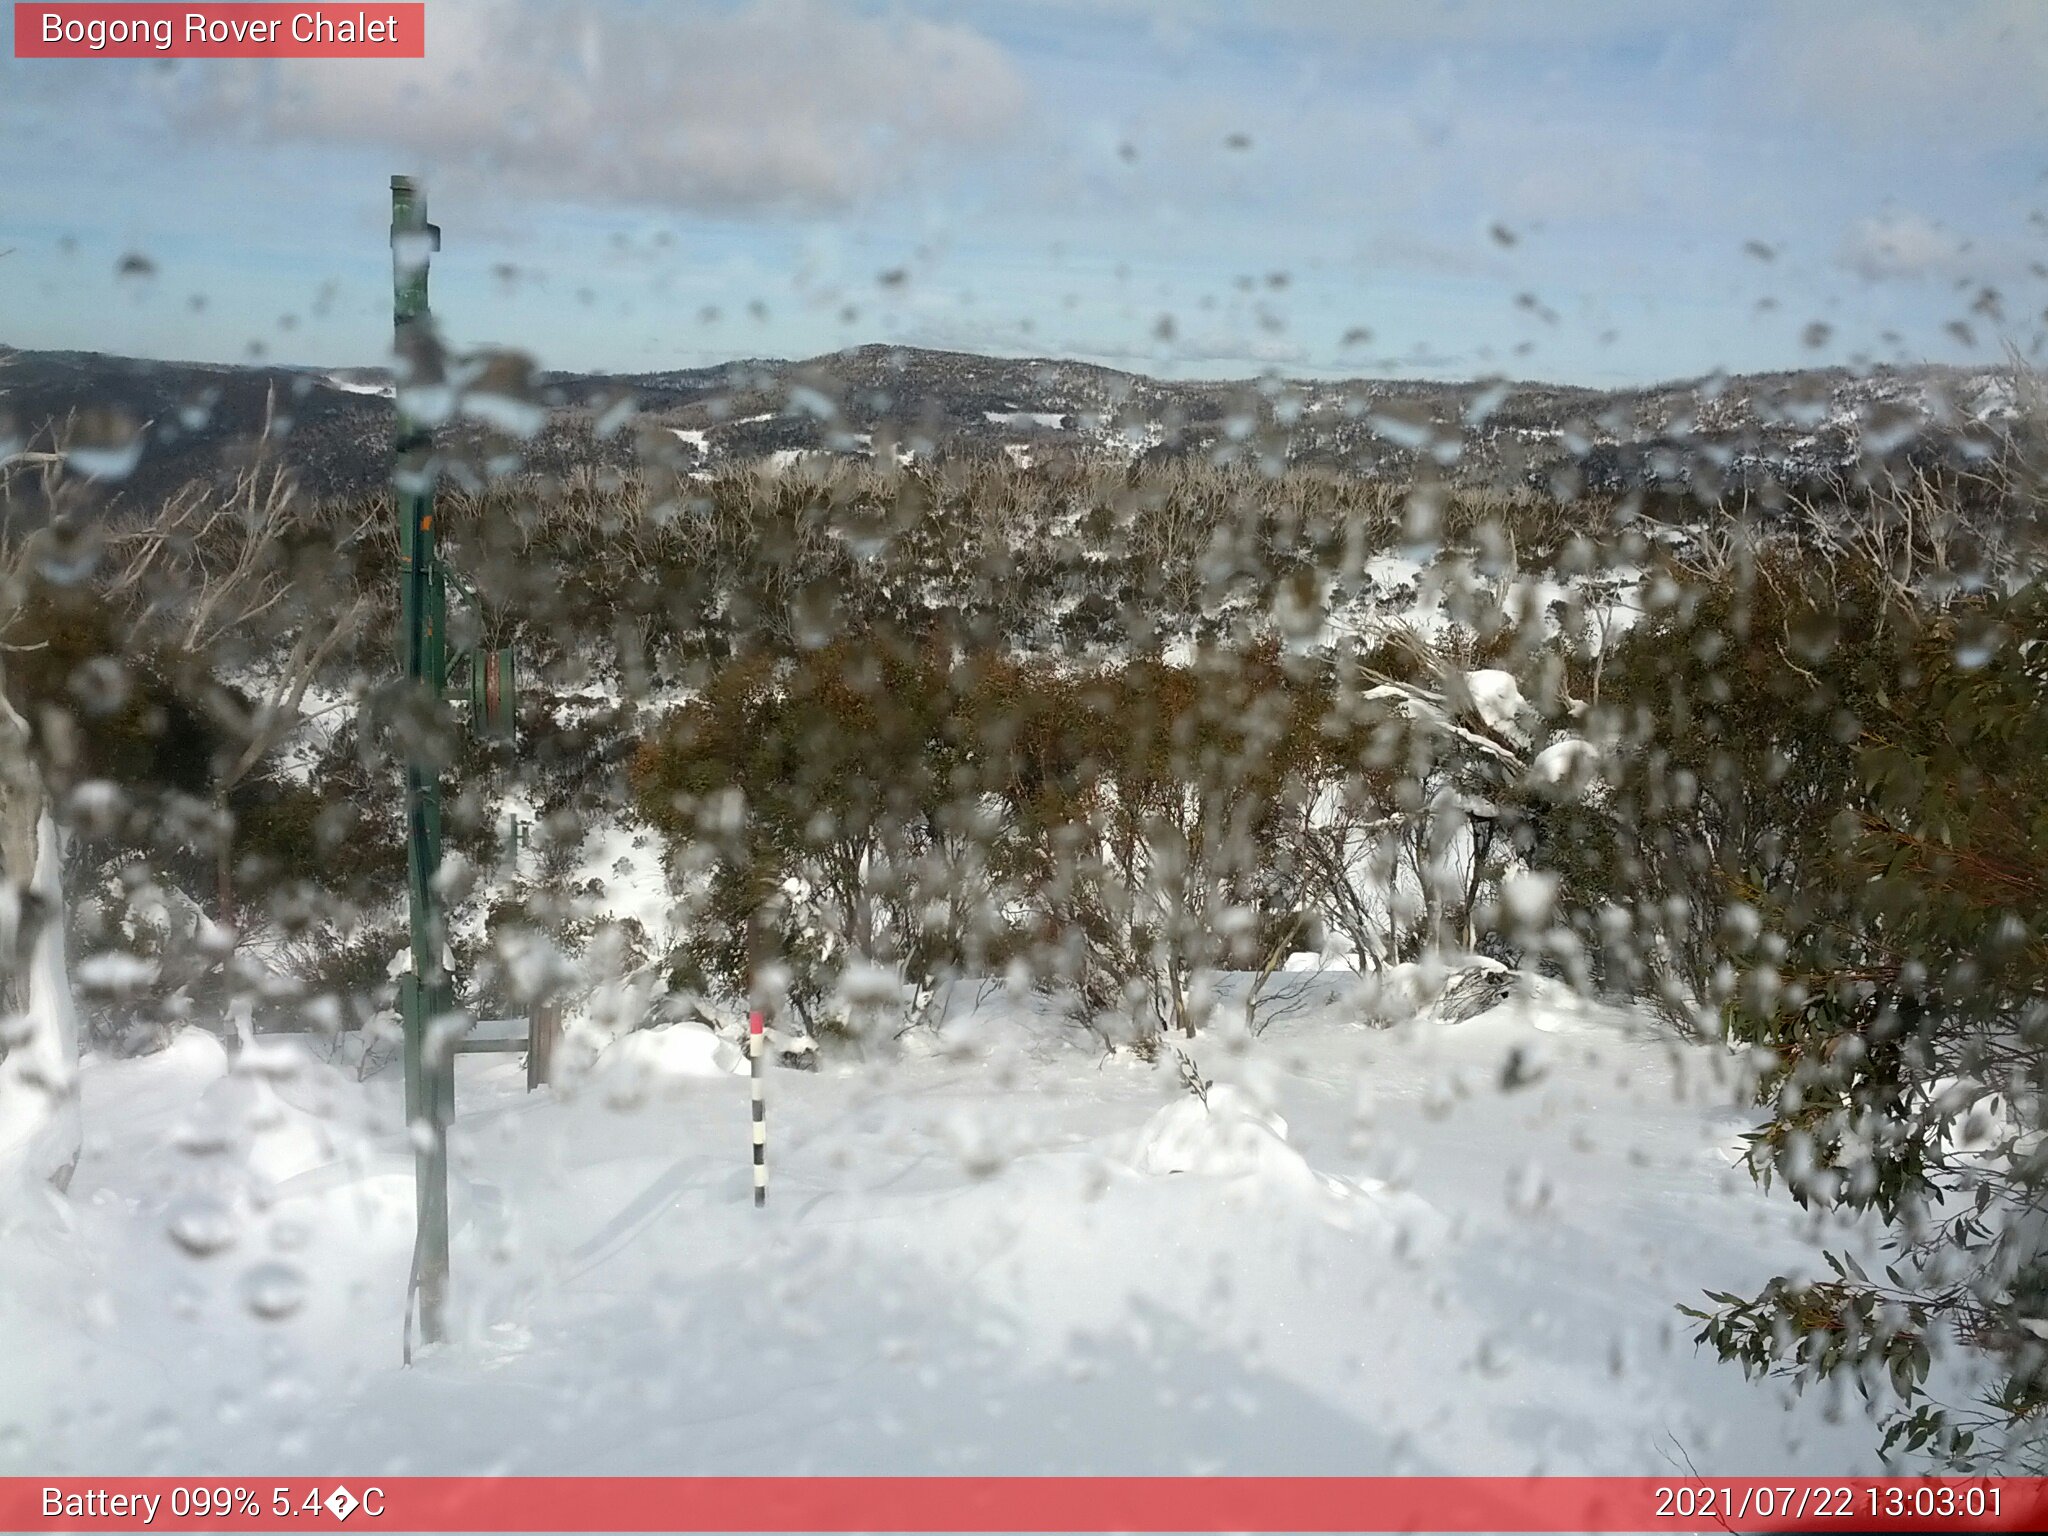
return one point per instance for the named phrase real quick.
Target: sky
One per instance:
(1593, 191)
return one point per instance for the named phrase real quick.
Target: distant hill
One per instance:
(196, 421)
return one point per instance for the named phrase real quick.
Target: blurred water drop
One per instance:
(273, 1290)
(104, 444)
(499, 389)
(202, 1225)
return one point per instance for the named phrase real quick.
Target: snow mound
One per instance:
(1235, 1139)
(276, 1113)
(274, 1139)
(648, 1060)
(1413, 988)
(189, 1062)
(1228, 1136)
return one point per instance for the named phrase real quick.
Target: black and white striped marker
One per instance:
(758, 1047)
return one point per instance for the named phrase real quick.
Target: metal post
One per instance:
(757, 1047)
(426, 993)
(544, 1029)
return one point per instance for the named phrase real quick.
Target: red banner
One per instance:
(320, 31)
(1025, 1504)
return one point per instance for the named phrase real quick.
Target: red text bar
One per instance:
(318, 31)
(976, 1504)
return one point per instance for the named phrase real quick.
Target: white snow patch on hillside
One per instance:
(358, 387)
(1047, 420)
(1391, 572)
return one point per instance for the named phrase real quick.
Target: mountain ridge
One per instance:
(195, 421)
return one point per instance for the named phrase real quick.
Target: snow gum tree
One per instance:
(39, 1124)
(1826, 836)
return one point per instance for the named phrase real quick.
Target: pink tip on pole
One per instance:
(754, 1022)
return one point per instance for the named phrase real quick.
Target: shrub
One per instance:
(1825, 834)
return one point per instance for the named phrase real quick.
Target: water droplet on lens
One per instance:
(274, 1290)
(202, 1226)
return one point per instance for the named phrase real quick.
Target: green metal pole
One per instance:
(426, 993)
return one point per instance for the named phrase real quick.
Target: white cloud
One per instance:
(778, 103)
(1900, 243)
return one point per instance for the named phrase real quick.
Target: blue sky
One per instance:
(1587, 191)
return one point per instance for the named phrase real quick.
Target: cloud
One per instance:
(1900, 243)
(1414, 21)
(789, 104)
(1891, 70)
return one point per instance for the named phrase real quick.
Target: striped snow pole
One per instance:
(757, 1048)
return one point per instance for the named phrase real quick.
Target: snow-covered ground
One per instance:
(1429, 1247)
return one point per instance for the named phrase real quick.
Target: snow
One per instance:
(1046, 420)
(1223, 1132)
(997, 1252)
(652, 1060)
(625, 862)
(357, 387)
(1498, 699)
(1390, 572)
(1569, 761)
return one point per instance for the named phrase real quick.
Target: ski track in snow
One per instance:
(975, 1259)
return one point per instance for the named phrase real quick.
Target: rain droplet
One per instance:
(1529, 1190)
(105, 445)
(202, 1226)
(274, 1290)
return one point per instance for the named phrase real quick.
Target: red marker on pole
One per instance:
(757, 1047)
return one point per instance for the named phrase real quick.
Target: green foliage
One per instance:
(1732, 713)
(1826, 835)
(286, 831)
(888, 800)
(101, 707)
(1815, 1330)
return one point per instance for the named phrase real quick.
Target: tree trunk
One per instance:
(21, 805)
(224, 866)
(39, 1123)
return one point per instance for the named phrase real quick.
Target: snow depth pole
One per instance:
(426, 993)
(757, 1048)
